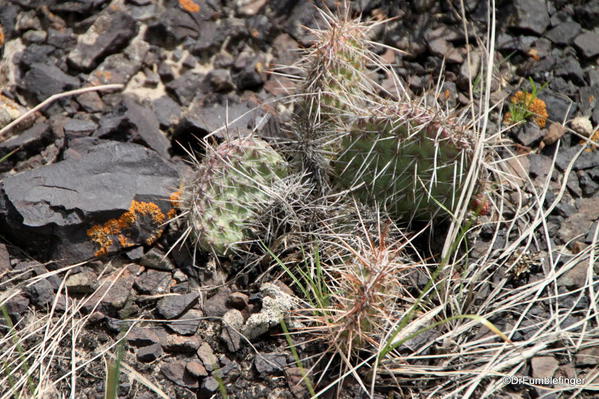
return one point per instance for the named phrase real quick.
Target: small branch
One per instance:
(53, 98)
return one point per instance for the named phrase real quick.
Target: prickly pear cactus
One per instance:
(335, 81)
(407, 159)
(229, 189)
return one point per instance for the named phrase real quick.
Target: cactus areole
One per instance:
(228, 191)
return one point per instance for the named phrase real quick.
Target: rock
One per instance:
(187, 86)
(582, 125)
(587, 357)
(276, 306)
(173, 306)
(248, 71)
(91, 102)
(84, 282)
(153, 282)
(119, 68)
(216, 305)
(60, 204)
(150, 353)
(204, 119)
(587, 185)
(270, 363)
(220, 80)
(295, 381)
(113, 291)
(74, 128)
(63, 39)
(555, 132)
(5, 266)
(30, 140)
(9, 111)
(531, 15)
(40, 293)
(135, 123)
(564, 33)
(588, 43)
(238, 300)
(196, 369)
(17, 306)
(177, 373)
(109, 33)
(543, 366)
(529, 134)
(579, 223)
(187, 324)
(167, 111)
(558, 108)
(575, 277)
(156, 259)
(178, 344)
(209, 387)
(44, 80)
(569, 68)
(206, 355)
(144, 336)
(232, 324)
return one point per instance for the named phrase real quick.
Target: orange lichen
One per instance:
(175, 199)
(120, 231)
(531, 104)
(592, 147)
(189, 5)
(1, 36)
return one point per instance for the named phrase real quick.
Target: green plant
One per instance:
(9, 369)
(229, 190)
(113, 372)
(524, 106)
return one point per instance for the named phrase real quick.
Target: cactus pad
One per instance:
(229, 189)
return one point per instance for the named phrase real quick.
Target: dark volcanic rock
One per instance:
(41, 293)
(175, 305)
(187, 324)
(43, 80)
(147, 354)
(95, 183)
(133, 122)
(186, 86)
(167, 111)
(531, 15)
(111, 31)
(270, 363)
(588, 43)
(176, 372)
(564, 33)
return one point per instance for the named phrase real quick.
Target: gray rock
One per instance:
(187, 86)
(187, 324)
(588, 43)
(196, 369)
(587, 357)
(173, 306)
(587, 185)
(209, 387)
(238, 300)
(220, 80)
(586, 160)
(156, 259)
(232, 324)
(569, 68)
(176, 372)
(148, 354)
(167, 111)
(564, 33)
(60, 203)
(119, 68)
(79, 127)
(84, 282)
(32, 139)
(270, 363)
(17, 306)
(109, 33)
(153, 282)
(206, 355)
(143, 336)
(177, 344)
(558, 107)
(216, 305)
(531, 15)
(43, 80)
(5, 265)
(529, 134)
(40, 293)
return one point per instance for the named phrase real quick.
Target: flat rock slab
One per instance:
(75, 205)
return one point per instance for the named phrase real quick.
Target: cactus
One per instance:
(335, 81)
(406, 158)
(228, 192)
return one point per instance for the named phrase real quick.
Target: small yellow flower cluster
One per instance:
(531, 105)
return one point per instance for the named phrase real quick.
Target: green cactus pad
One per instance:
(407, 159)
(228, 192)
